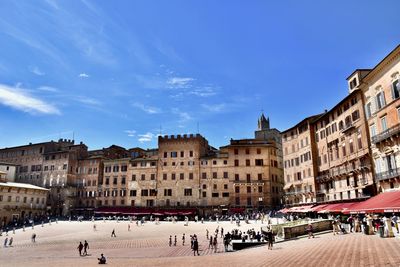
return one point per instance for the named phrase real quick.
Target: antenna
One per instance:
(198, 127)
(73, 135)
(160, 129)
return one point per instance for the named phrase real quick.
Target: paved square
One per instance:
(147, 245)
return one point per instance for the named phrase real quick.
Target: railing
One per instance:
(385, 134)
(387, 174)
(347, 127)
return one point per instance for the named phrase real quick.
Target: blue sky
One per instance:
(115, 72)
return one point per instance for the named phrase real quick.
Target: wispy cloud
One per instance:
(183, 116)
(37, 71)
(88, 101)
(131, 133)
(48, 89)
(147, 109)
(83, 75)
(147, 137)
(20, 99)
(179, 82)
(215, 107)
(205, 91)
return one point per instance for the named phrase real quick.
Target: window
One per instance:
(383, 124)
(249, 189)
(226, 175)
(191, 176)
(123, 180)
(236, 177)
(182, 154)
(368, 112)
(215, 175)
(248, 178)
(225, 194)
(174, 154)
(225, 186)
(187, 191)
(260, 189)
(380, 100)
(237, 201)
(181, 176)
(236, 151)
(259, 176)
(133, 177)
(214, 162)
(143, 177)
(225, 162)
(204, 175)
(204, 194)
(124, 168)
(190, 153)
(258, 151)
(164, 176)
(355, 115)
(116, 168)
(372, 130)
(344, 150)
(145, 192)
(259, 162)
(215, 187)
(236, 162)
(173, 176)
(152, 176)
(167, 192)
(115, 180)
(396, 89)
(165, 154)
(215, 194)
(247, 151)
(351, 146)
(249, 201)
(237, 189)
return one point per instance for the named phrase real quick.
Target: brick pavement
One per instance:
(324, 250)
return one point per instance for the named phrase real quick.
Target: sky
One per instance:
(123, 72)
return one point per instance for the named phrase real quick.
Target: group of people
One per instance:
(83, 247)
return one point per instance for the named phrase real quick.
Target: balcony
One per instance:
(386, 134)
(387, 174)
(348, 127)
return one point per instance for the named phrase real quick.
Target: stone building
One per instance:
(19, 201)
(344, 163)
(381, 91)
(299, 158)
(10, 170)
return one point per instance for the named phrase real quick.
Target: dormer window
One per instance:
(353, 83)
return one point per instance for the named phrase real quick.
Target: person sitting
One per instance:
(102, 259)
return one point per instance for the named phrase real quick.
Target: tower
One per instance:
(263, 123)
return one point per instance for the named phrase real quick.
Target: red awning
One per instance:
(300, 209)
(337, 208)
(318, 208)
(384, 202)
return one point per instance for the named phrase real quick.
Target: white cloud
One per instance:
(48, 89)
(37, 71)
(147, 137)
(180, 82)
(88, 100)
(215, 107)
(204, 91)
(84, 75)
(183, 116)
(131, 133)
(21, 100)
(147, 109)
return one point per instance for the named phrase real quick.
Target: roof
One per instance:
(22, 185)
(310, 118)
(8, 164)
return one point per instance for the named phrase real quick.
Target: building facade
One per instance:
(381, 91)
(299, 158)
(19, 201)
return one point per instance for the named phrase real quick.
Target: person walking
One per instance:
(129, 227)
(195, 246)
(394, 221)
(33, 238)
(215, 243)
(222, 232)
(85, 248)
(270, 238)
(183, 239)
(170, 240)
(210, 245)
(5, 242)
(310, 231)
(175, 241)
(207, 233)
(10, 242)
(113, 233)
(80, 247)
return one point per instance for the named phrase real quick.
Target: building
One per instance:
(9, 169)
(52, 165)
(19, 201)
(344, 162)
(299, 158)
(381, 91)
